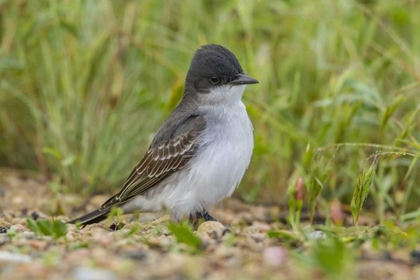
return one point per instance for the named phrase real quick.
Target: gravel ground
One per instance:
(236, 248)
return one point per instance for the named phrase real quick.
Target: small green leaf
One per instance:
(184, 235)
(45, 227)
(332, 257)
(77, 245)
(54, 229)
(32, 226)
(59, 228)
(285, 235)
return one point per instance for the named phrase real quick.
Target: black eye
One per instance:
(214, 80)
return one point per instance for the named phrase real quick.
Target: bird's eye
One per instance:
(214, 80)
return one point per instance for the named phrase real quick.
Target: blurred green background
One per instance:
(85, 84)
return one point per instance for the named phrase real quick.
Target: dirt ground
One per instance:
(236, 248)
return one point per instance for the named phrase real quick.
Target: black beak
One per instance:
(242, 79)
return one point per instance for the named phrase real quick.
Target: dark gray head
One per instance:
(215, 68)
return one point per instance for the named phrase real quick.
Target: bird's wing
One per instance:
(161, 160)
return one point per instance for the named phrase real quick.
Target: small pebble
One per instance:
(88, 273)
(250, 230)
(386, 256)
(261, 227)
(18, 200)
(14, 257)
(257, 241)
(70, 235)
(4, 239)
(275, 256)
(34, 216)
(28, 234)
(18, 228)
(225, 252)
(136, 255)
(3, 229)
(38, 245)
(71, 227)
(18, 221)
(415, 255)
(103, 238)
(211, 227)
(317, 235)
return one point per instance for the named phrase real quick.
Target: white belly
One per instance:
(213, 174)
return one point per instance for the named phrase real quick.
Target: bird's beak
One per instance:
(242, 79)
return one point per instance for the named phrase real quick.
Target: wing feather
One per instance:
(160, 162)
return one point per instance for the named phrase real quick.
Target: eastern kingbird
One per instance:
(200, 153)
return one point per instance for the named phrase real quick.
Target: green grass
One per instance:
(84, 84)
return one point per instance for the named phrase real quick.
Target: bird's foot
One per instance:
(200, 217)
(205, 216)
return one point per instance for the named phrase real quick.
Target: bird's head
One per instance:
(215, 76)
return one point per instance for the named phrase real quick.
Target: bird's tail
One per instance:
(92, 217)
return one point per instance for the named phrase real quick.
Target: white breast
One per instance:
(214, 173)
(225, 155)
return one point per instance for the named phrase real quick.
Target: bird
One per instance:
(202, 150)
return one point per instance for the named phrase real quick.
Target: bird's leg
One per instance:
(205, 215)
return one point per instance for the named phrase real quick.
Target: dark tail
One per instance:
(92, 217)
